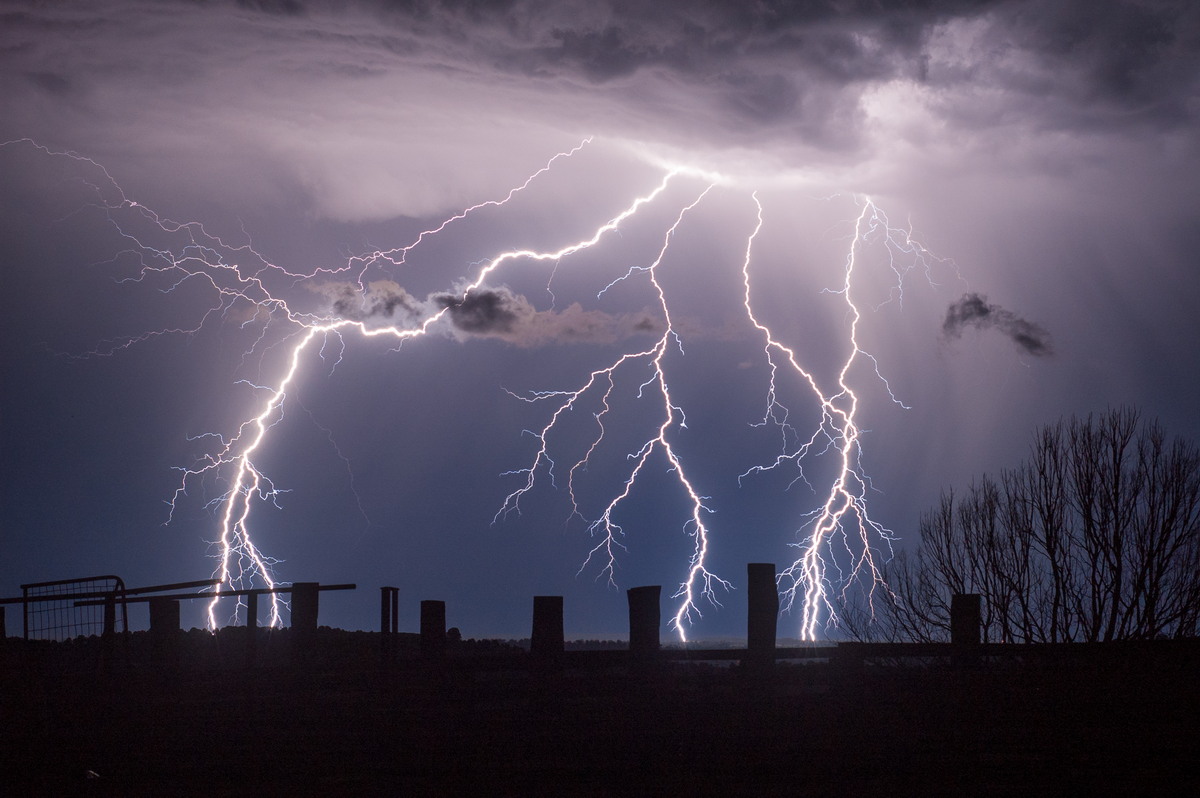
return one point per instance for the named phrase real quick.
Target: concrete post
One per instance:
(546, 642)
(433, 628)
(645, 618)
(762, 614)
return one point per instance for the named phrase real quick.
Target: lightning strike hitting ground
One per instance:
(839, 535)
(842, 522)
(699, 580)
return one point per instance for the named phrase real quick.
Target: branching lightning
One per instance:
(842, 522)
(699, 580)
(838, 536)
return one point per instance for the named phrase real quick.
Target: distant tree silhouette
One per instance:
(1096, 537)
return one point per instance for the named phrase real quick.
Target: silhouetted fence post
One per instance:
(966, 627)
(645, 618)
(546, 641)
(110, 617)
(389, 623)
(389, 604)
(762, 596)
(251, 630)
(164, 631)
(433, 629)
(108, 637)
(305, 605)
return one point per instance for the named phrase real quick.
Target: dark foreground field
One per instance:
(490, 723)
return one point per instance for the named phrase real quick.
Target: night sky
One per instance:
(1043, 154)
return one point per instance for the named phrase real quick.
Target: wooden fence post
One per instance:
(108, 637)
(762, 597)
(645, 618)
(389, 624)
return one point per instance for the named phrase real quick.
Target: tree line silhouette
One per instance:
(1095, 537)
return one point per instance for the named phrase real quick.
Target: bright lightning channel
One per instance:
(237, 549)
(839, 527)
(842, 522)
(699, 581)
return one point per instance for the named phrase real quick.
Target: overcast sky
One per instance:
(1044, 155)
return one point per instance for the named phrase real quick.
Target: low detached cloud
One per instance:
(973, 310)
(484, 313)
(384, 301)
(499, 313)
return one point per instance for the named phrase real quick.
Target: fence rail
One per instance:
(432, 645)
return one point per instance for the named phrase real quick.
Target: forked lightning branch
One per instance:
(838, 543)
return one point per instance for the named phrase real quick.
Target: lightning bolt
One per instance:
(841, 524)
(838, 535)
(699, 581)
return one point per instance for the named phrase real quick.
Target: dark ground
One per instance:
(486, 722)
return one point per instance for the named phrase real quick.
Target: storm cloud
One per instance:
(973, 310)
(499, 313)
(766, 87)
(485, 312)
(383, 301)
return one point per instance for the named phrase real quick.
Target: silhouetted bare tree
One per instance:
(1095, 537)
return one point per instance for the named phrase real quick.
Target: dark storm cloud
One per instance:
(50, 82)
(1064, 65)
(726, 63)
(774, 62)
(286, 7)
(499, 313)
(383, 301)
(484, 312)
(973, 310)
(854, 87)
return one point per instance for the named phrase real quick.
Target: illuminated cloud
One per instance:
(377, 109)
(484, 313)
(383, 301)
(499, 313)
